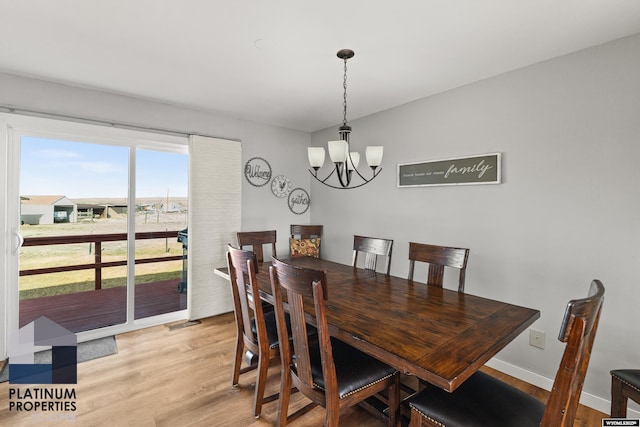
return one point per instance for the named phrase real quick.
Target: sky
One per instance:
(84, 170)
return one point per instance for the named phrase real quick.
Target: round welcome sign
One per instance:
(299, 201)
(257, 171)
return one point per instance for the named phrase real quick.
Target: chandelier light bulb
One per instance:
(353, 160)
(338, 151)
(316, 157)
(374, 155)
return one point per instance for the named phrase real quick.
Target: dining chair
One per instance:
(483, 400)
(438, 257)
(305, 240)
(257, 333)
(625, 384)
(328, 372)
(256, 239)
(372, 247)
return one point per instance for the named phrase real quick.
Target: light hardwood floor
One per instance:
(182, 377)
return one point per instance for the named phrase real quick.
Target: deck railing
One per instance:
(96, 240)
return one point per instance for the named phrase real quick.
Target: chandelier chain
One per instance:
(344, 102)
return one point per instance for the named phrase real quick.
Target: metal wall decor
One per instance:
(299, 201)
(281, 186)
(257, 171)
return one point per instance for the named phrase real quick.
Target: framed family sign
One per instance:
(480, 169)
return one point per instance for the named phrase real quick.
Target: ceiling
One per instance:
(274, 62)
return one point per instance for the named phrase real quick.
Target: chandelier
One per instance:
(345, 161)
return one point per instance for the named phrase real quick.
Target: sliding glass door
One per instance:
(102, 218)
(162, 207)
(73, 199)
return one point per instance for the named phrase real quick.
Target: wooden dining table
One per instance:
(439, 335)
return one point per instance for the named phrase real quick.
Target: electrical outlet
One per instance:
(536, 338)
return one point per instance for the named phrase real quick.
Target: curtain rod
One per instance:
(48, 115)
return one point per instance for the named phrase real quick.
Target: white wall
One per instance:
(566, 212)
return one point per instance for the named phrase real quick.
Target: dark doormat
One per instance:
(87, 350)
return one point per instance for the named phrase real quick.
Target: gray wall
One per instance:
(566, 212)
(284, 149)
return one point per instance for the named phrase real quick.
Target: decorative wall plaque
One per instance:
(482, 169)
(280, 186)
(257, 171)
(299, 201)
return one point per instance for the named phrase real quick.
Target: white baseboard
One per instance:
(586, 399)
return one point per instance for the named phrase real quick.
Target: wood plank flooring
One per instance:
(182, 377)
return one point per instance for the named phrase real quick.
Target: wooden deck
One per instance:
(83, 311)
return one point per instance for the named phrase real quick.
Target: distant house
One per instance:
(100, 208)
(172, 207)
(47, 210)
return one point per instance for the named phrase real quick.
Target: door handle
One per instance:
(20, 240)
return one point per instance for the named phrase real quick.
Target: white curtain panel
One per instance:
(215, 183)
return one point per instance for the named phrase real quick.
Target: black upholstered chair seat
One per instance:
(272, 330)
(480, 401)
(355, 370)
(631, 377)
(625, 385)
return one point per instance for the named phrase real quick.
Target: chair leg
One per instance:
(332, 410)
(238, 360)
(416, 419)
(394, 402)
(618, 399)
(261, 380)
(285, 391)
(332, 416)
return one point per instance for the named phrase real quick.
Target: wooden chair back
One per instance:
(578, 330)
(256, 239)
(303, 286)
(243, 266)
(372, 247)
(255, 341)
(302, 361)
(438, 257)
(306, 231)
